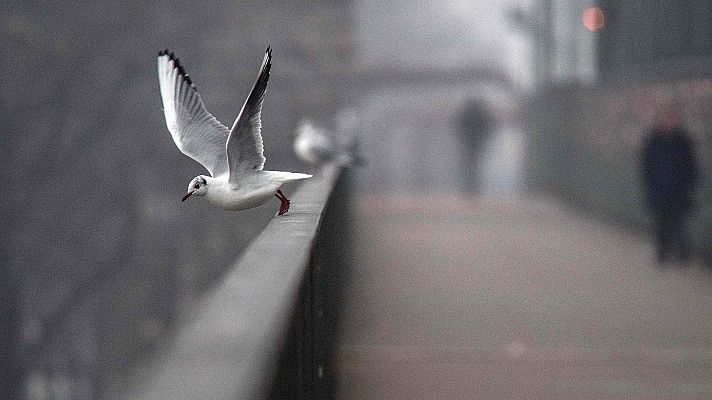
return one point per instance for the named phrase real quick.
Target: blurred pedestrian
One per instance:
(670, 174)
(474, 124)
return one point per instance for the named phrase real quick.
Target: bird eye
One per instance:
(197, 186)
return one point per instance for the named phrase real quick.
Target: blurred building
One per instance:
(574, 49)
(648, 40)
(561, 52)
(655, 40)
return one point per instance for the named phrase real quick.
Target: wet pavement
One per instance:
(516, 298)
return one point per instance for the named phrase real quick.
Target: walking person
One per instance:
(670, 174)
(474, 124)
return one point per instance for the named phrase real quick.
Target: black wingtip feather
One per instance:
(176, 62)
(262, 78)
(166, 52)
(269, 58)
(268, 53)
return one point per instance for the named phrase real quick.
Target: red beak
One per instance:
(186, 196)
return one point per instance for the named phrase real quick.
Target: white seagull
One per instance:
(233, 157)
(313, 146)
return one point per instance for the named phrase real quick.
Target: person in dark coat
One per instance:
(670, 174)
(474, 124)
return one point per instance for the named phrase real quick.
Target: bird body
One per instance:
(233, 157)
(254, 189)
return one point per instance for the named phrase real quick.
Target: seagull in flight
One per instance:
(233, 157)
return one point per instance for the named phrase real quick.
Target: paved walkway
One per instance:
(516, 299)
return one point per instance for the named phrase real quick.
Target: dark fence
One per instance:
(269, 329)
(306, 369)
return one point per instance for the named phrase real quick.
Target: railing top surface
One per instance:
(228, 350)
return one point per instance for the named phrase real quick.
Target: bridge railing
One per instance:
(268, 329)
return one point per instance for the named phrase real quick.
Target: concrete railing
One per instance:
(268, 329)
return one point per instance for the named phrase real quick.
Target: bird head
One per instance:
(198, 186)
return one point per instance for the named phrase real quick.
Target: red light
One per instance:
(592, 19)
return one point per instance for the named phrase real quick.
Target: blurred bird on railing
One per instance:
(314, 146)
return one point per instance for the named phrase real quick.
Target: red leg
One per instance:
(284, 206)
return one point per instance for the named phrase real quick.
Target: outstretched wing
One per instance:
(244, 146)
(196, 132)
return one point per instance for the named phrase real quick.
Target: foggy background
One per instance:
(101, 260)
